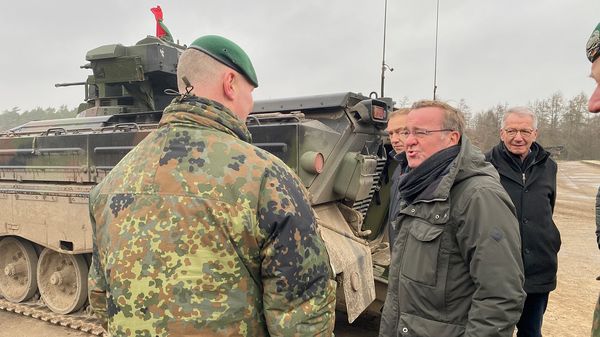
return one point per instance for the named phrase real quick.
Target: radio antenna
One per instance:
(437, 20)
(384, 66)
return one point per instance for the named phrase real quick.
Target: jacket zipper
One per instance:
(428, 201)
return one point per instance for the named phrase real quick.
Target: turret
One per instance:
(130, 79)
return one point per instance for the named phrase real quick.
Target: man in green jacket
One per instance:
(456, 267)
(199, 233)
(593, 54)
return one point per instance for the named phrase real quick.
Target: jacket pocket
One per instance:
(420, 258)
(412, 325)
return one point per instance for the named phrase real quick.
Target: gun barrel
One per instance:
(68, 84)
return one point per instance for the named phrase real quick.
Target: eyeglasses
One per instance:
(419, 133)
(525, 133)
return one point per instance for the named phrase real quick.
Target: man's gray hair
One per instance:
(522, 111)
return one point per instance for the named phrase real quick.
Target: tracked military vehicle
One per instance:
(335, 143)
(47, 169)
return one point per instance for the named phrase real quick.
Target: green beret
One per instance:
(593, 45)
(228, 53)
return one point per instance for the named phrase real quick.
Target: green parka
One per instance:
(456, 267)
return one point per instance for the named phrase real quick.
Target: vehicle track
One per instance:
(78, 321)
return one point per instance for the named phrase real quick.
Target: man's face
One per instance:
(518, 134)
(394, 126)
(594, 103)
(420, 147)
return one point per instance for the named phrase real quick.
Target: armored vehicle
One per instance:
(335, 143)
(47, 169)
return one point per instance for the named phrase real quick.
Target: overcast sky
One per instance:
(490, 52)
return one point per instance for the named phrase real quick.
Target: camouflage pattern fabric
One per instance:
(592, 48)
(596, 322)
(198, 232)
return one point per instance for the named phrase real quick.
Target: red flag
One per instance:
(162, 32)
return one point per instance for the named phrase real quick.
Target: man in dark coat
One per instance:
(528, 174)
(396, 124)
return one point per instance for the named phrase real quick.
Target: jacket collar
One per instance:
(193, 110)
(500, 156)
(468, 163)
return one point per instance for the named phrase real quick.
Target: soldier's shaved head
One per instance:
(216, 81)
(201, 70)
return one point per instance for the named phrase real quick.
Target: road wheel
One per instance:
(18, 262)
(62, 280)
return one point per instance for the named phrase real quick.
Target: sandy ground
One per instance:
(571, 305)
(569, 312)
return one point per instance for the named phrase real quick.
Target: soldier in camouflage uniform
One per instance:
(198, 232)
(593, 54)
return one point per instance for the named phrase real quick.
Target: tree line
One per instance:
(15, 117)
(565, 127)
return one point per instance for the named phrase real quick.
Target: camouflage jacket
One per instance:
(198, 232)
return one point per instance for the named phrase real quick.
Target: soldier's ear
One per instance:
(229, 89)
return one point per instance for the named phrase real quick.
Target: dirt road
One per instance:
(571, 306)
(569, 312)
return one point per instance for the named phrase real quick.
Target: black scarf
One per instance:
(427, 175)
(516, 159)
